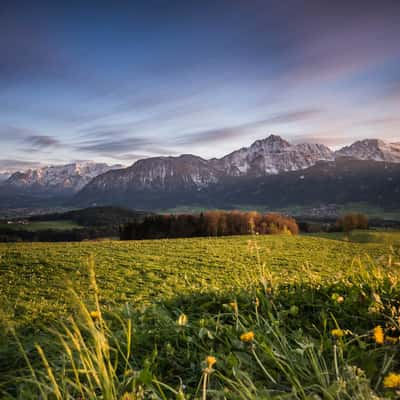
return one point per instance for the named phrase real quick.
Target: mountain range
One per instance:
(58, 178)
(258, 170)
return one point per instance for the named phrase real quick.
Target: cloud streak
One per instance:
(232, 132)
(42, 141)
(12, 165)
(115, 147)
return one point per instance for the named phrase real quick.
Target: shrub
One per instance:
(352, 221)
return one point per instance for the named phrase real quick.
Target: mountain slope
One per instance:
(342, 181)
(166, 173)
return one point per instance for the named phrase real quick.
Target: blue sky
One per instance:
(115, 81)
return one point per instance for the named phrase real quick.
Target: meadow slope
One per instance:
(35, 278)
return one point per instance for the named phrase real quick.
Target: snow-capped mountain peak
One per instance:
(272, 156)
(272, 143)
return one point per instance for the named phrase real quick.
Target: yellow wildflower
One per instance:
(95, 314)
(340, 299)
(379, 336)
(234, 306)
(392, 381)
(210, 360)
(339, 332)
(128, 396)
(247, 337)
(182, 320)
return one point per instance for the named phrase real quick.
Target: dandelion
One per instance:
(340, 299)
(247, 337)
(340, 332)
(210, 360)
(128, 396)
(378, 334)
(337, 298)
(95, 315)
(392, 381)
(182, 320)
(234, 306)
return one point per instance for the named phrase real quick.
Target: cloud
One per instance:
(389, 120)
(132, 157)
(42, 141)
(328, 139)
(17, 165)
(293, 116)
(14, 133)
(231, 132)
(114, 146)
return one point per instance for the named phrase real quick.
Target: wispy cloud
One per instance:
(14, 133)
(232, 132)
(42, 141)
(292, 116)
(330, 139)
(389, 120)
(17, 165)
(120, 146)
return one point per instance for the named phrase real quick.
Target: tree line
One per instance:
(210, 223)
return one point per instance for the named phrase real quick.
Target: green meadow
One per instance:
(137, 320)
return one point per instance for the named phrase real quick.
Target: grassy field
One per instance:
(42, 225)
(177, 301)
(35, 278)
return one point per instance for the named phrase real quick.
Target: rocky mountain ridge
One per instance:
(58, 178)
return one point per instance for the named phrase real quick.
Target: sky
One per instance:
(116, 81)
